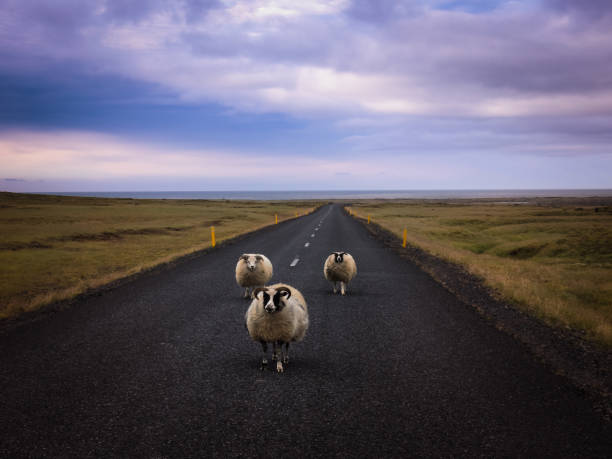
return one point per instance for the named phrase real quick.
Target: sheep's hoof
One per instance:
(264, 364)
(279, 367)
(286, 360)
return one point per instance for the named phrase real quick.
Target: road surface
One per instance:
(162, 366)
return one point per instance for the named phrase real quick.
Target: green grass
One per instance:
(55, 247)
(553, 259)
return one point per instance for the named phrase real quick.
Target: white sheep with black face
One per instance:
(340, 267)
(253, 270)
(278, 314)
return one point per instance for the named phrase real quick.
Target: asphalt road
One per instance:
(162, 366)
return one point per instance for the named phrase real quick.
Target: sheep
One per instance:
(278, 314)
(340, 267)
(253, 270)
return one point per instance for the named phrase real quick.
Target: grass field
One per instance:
(55, 247)
(551, 257)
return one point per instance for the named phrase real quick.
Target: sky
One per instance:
(135, 95)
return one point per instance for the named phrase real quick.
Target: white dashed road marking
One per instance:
(312, 235)
(307, 244)
(294, 262)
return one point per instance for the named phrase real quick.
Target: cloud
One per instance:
(382, 11)
(215, 90)
(306, 58)
(64, 160)
(589, 9)
(71, 155)
(513, 137)
(65, 155)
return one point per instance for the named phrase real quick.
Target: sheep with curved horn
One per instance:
(278, 314)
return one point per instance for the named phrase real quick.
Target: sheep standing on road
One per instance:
(253, 270)
(340, 267)
(278, 314)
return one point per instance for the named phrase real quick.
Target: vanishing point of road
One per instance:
(162, 366)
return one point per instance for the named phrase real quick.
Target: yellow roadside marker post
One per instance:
(212, 236)
(276, 219)
(368, 219)
(405, 236)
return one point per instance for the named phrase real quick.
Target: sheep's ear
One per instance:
(258, 257)
(342, 253)
(284, 291)
(244, 256)
(257, 291)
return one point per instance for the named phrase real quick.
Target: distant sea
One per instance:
(342, 194)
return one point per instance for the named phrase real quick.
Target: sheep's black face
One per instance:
(273, 303)
(266, 302)
(339, 256)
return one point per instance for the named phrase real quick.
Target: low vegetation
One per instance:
(551, 257)
(55, 247)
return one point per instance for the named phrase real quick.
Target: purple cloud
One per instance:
(593, 9)
(404, 78)
(503, 52)
(137, 10)
(382, 11)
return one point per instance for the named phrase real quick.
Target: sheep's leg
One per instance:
(274, 352)
(286, 355)
(342, 288)
(278, 351)
(264, 360)
(335, 286)
(246, 292)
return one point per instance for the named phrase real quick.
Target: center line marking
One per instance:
(312, 235)
(294, 262)
(307, 244)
